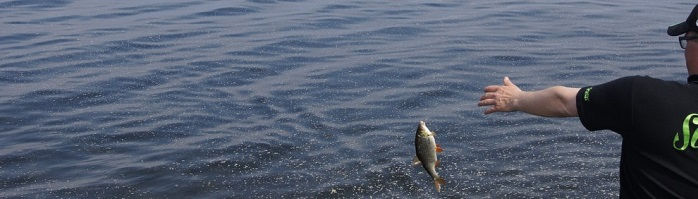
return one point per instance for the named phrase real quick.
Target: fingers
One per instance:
(492, 96)
(487, 102)
(492, 88)
(507, 82)
(488, 95)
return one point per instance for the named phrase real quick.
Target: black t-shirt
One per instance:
(659, 123)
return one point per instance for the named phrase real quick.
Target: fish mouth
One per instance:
(423, 126)
(422, 129)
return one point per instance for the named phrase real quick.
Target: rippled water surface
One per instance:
(267, 99)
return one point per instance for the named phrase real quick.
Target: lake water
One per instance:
(269, 99)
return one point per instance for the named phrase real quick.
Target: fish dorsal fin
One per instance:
(415, 161)
(438, 148)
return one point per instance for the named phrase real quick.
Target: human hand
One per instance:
(500, 98)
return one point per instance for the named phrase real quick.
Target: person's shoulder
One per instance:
(647, 84)
(635, 83)
(639, 78)
(639, 82)
(628, 81)
(643, 80)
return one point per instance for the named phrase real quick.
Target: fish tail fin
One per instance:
(438, 182)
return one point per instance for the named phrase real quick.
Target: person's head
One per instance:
(691, 51)
(689, 40)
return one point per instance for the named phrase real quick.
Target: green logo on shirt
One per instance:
(586, 94)
(690, 119)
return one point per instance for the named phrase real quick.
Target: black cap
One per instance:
(683, 27)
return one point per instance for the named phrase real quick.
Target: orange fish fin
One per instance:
(415, 161)
(438, 162)
(438, 148)
(438, 182)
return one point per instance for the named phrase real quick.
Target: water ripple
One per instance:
(307, 98)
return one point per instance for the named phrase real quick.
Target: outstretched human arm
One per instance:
(556, 101)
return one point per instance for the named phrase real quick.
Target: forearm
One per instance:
(557, 101)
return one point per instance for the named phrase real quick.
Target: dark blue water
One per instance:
(268, 99)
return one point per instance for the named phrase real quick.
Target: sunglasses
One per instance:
(683, 40)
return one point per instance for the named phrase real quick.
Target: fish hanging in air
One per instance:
(426, 148)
